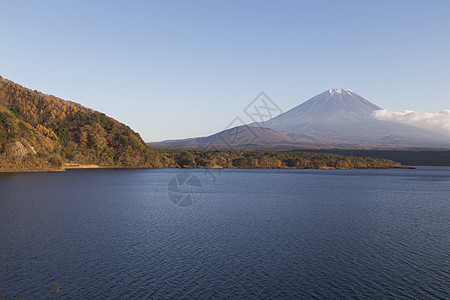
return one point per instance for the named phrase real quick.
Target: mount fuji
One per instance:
(336, 118)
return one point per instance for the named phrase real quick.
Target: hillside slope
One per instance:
(238, 138)
(53, 129)
(23, 147)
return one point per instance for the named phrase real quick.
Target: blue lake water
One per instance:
(242, 234)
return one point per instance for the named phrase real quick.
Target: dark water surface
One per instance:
(253, 234)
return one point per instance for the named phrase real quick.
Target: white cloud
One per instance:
(438, 122)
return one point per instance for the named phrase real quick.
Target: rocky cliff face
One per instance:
(18, 149)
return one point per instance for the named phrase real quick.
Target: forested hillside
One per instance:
(63, 130)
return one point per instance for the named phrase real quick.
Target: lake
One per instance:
(243, 234)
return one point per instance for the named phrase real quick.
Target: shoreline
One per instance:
(73, 166)
(4, 171)
(97, 167)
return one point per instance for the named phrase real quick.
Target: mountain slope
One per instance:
(66, 131)
(241, 137)
(331, 105)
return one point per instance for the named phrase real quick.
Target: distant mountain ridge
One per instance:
(336, 118)
(241, 137)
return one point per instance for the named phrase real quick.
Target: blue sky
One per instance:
(175, 69)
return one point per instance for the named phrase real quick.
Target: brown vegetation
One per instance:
(62, 130)
(271, 160)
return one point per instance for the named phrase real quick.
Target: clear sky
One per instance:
(175, 69)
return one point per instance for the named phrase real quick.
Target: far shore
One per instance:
(87, 167)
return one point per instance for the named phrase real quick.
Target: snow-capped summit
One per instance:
(340, 91)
